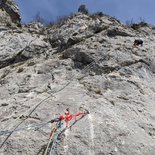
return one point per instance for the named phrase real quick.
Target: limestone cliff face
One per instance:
(86, 60)
(9, 12)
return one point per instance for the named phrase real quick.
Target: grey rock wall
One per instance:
(94, 60)
(9, 13)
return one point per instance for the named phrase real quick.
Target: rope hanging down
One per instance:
(57, 130)
(36, 106)
(53, 137)
(54, 140)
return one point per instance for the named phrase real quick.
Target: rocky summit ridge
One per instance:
(83, 60)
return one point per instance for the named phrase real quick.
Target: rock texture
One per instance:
(9, 12)
(92, 57)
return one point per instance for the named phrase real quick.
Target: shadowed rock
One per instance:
(12, 11)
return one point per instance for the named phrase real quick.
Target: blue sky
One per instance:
(121, 9)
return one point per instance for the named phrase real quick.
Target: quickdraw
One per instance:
(68, 116)
(56, 131)
(58, 128)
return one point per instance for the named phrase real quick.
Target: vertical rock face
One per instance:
(9, 12)
(83, 61)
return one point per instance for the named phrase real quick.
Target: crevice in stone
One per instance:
(18, 58)
(129, 63)
(137, 85)
(15, 17)
(149, 129)
(117, 32)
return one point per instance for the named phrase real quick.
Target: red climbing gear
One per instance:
(79, 113)
(61, 118)
(68, 116)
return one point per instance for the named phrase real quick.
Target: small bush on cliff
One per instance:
(40, 19)
(136, 26)
(139, 25)
(60, 20)
(97, 14)
(82, 8)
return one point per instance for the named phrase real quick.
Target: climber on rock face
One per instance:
(138, 42)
